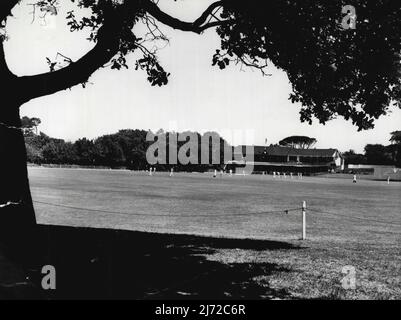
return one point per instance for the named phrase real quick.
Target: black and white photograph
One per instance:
(196, 155)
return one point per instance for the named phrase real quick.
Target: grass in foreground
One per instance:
(109, 264)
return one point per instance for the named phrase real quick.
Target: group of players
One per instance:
(152, 171)
(284, 175)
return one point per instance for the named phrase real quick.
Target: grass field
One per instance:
(347, 224)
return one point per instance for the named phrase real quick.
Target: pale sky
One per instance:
(199, 97)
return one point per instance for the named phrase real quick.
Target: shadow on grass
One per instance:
(110, 264)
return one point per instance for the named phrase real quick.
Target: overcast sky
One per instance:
(198, 97)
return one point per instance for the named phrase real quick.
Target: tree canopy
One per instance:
(334, 70)
(300, 142)
(125, 148)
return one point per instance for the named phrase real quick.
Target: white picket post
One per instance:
(304, 220)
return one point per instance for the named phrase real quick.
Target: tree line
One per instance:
(126, 148)
(378, 154)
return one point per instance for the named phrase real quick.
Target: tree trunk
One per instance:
(17, 216)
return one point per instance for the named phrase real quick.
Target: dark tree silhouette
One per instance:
(377, 154)
(353, 158)
(395, 137)
(300, 142)
(395, 147)
(334, 70)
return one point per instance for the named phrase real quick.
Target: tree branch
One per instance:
(214, 24)
(208, 12)
(75, 73)
(107, 46)
(196, 26)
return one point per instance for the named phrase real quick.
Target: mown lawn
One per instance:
(348, 224)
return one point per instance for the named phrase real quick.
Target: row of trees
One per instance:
(126, 148)
(377, 153)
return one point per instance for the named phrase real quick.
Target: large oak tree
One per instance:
(335, 68)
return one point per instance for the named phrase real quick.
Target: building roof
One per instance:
(288, 151)
(276, 164)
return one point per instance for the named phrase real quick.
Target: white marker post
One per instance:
(304, 220)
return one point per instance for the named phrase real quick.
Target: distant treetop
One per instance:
(299, 142)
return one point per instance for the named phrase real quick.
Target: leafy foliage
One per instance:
(353, 73)
(126, 148)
